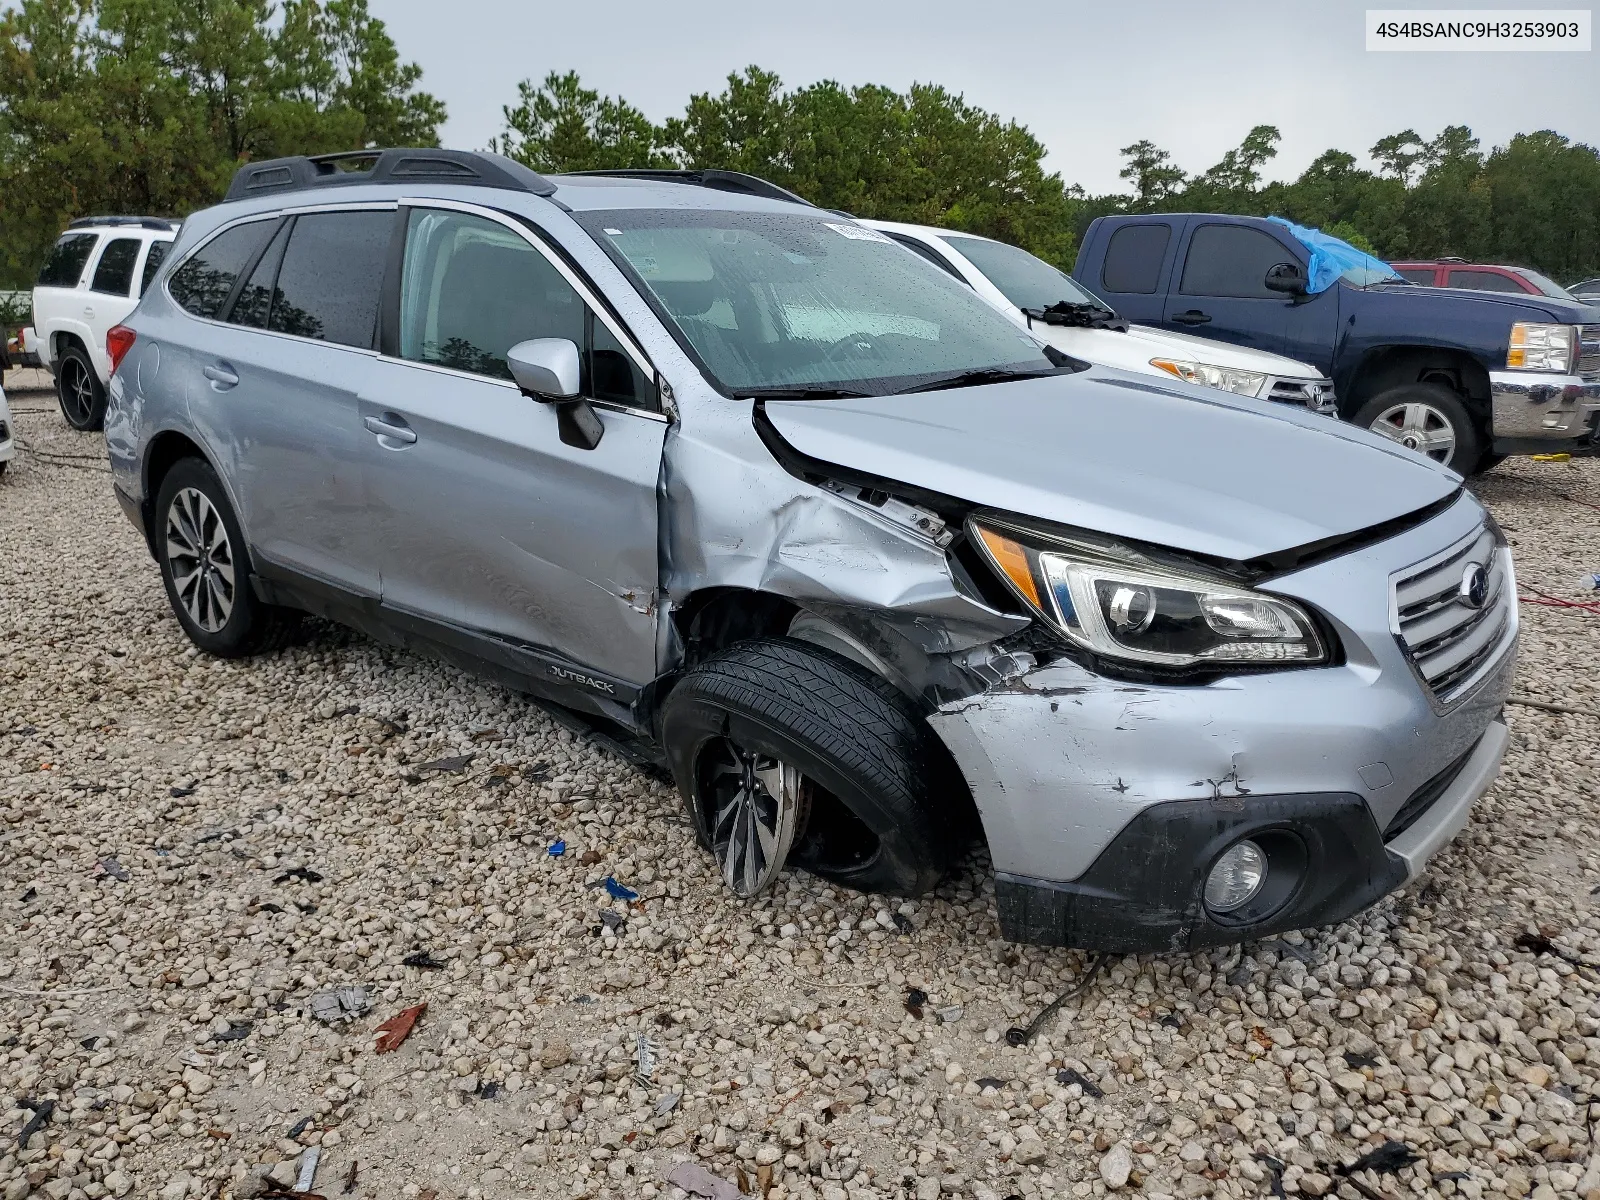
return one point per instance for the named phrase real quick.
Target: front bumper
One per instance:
(1529, 407)
(1064, 765)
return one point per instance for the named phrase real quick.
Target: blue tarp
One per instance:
(1331, 257)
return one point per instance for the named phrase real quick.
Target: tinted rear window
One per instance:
(1484, 281)
(113, 274)
(152, 263)
(331, 277)
(1133, 259)
(67, 258)
(1421, 275)
(202, 285)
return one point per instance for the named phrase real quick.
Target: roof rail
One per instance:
(130, 222)
(710, 177)
(465, 168)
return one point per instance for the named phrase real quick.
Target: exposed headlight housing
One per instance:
(1243, 383)
(1122, 605)
(1536, 347)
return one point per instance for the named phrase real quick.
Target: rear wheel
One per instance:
(83, 400)
(786, 752)
(206, 568)
(1429, 418)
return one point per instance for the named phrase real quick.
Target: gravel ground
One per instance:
(192, 849)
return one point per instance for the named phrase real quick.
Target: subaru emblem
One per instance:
(1474, 591)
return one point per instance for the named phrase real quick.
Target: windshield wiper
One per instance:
(975, 379)
(801, 393)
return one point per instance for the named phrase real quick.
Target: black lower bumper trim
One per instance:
(1144, 893)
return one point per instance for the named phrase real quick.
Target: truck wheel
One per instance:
(206, 567)
(1428, 418)
(784, 751)
(83, 399)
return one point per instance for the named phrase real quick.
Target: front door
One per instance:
(1220, 289)
(492, 528)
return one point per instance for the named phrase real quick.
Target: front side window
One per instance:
(331, 277)
(781, 302)
(113, 274)
(152, 263)
(204, 282)
(1025, 280)
(1232, 260)
(67, 259)
(1134, 257)
(471, 289)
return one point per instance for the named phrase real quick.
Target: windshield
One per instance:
(1548, 286)
(1026, 281)
(773, 302)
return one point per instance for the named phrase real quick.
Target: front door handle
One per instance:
(391, 426)
(221, 375)
(1193, 317)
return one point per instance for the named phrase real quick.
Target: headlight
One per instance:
(1245, 383)
(1540, 347)
(1124, 606)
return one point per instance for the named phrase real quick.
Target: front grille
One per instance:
(1448, 641)
(1424, 798)
(1309, 393)
(1588, 350)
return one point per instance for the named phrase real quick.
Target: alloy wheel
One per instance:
(756, 805)
(1419, 427)
(77, 392)
(200, 558)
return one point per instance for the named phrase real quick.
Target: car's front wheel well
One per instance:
(713, 619)
(1396, 366)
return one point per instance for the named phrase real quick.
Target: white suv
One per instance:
(93, 278)
(1062, 312)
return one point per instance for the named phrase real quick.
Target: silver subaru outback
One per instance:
(872, 571)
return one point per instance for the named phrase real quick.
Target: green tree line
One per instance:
(149, 106)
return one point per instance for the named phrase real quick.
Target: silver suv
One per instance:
(871, 569)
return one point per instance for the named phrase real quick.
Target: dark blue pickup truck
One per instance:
(1464, 377)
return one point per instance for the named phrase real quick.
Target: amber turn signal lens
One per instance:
(1012, 559)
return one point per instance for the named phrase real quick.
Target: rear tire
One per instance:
(78, 388)
(874, 815)
(206, 567)
(1428, 418)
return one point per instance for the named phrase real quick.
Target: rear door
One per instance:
(494, 531)
(111, 293)
(1134, 270)
(277, 373)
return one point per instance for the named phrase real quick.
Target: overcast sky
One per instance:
(1086, 78)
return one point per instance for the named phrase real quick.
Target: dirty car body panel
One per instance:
(573, 573)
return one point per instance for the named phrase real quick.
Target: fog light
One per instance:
(1236, 878)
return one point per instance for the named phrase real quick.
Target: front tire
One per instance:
(865, 783)
(206, 567)
(78, 388)
(1428, 418)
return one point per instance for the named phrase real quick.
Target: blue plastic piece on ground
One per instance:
(617, 892)
(558, 848)
(1331, 257)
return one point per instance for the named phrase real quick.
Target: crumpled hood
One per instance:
(1185, 467)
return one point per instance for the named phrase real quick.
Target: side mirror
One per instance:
(548, 369)
(1286, 277)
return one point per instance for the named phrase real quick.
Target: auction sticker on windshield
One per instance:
(856, 233)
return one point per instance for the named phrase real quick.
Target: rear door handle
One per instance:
(221, 375)
(392, 426)
(1193, 317)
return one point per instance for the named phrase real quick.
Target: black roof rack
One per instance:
(722, 181)
(128, 222)
(467, 168)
